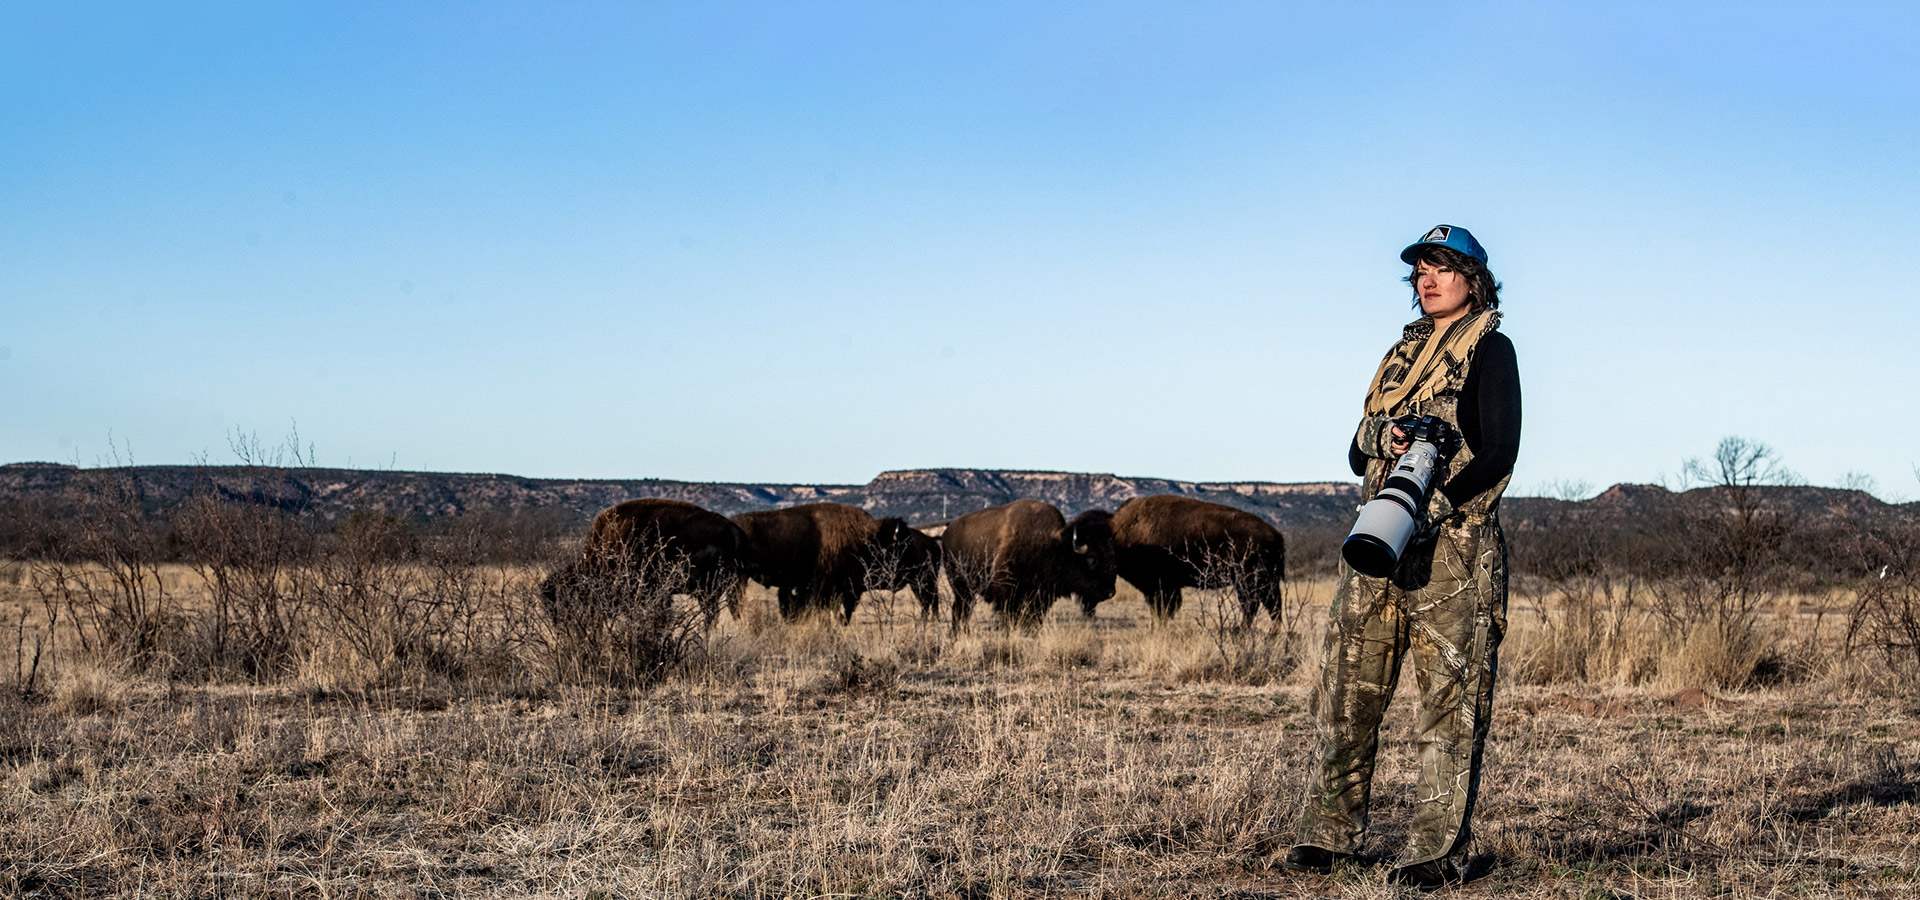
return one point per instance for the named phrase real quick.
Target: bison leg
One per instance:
(929, 602)
(1249, 603)
(926, 589)
(1268, 592)
(962, 599)
(1164, 601)
(847, 589)
(789, 603)
(735, 592)
(712, 592)
(1030, 609)
(1004, 603)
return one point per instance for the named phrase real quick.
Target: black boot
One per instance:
(1427, 876)
(1310, 859)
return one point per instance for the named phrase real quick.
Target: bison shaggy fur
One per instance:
(1023, 555)
(1167, 542)
(823, 555)
(655, 538)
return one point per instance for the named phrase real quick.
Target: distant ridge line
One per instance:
(921, 495)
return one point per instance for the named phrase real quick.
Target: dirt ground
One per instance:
(1107, 758)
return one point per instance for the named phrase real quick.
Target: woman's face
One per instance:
(1443, 291)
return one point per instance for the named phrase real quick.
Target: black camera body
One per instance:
(1430, 429)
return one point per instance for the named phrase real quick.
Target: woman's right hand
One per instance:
(1379, 438)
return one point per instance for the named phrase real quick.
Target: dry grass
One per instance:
(1103, 758)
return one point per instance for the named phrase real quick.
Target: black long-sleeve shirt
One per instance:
(1489, 411)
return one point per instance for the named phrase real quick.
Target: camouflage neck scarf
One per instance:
(1423, 364)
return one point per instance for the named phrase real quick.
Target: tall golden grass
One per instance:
(893, 757)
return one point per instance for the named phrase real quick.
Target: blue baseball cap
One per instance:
(1452, 237)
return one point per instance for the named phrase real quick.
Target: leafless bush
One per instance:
(1231, 585)
(26, 663)
(370, 596)
(967, 580)
(102, 574)
(889, 568)
(1726, 565)
(616, 619)
(406, 604)
(277, 586)
(258, 565)
(879, 572)
(1591, 614)
(1886, 617)
(473, 615)
(1590, 628)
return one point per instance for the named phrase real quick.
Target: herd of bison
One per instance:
(1019, 557)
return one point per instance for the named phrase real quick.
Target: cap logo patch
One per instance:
(1438, 235)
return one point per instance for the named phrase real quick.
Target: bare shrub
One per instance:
(616, 619)
(372, 599)
(102, 575)
(403, 604)
(1244, 652)
(1315, 550)
(1591, 629)
(258, 565)
(879, 572)
(26, 663)
(1885, 626)
(1725, 566)
(474, 616)
(967, 580)
(1591, 615)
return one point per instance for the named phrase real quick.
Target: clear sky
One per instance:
(808, 242)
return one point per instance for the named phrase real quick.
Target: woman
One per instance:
(1446, 601)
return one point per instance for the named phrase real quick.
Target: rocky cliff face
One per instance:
(919, 495)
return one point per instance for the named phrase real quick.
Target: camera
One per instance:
(1389, 520)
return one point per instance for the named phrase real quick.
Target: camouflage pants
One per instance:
(1447, 604)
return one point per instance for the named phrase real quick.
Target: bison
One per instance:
(1164, 543)
(823, 554)
(700, 552)
(1023, 555)
(906, 557)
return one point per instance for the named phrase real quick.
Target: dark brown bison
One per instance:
(1024, 555)
(907, 557)
(819, 555)
(1164, 543)
(696, 552)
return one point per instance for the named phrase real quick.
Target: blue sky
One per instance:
(812, 241)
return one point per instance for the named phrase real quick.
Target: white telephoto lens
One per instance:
(1388, 522)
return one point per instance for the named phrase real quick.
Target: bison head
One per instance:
(909, 559)
(1089, 537)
